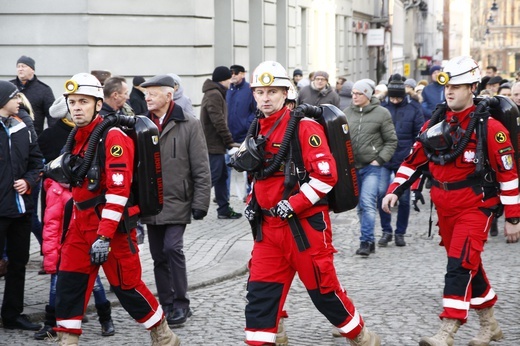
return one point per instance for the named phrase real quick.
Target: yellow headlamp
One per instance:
(443, 78)
(71, 86)
(266, 79)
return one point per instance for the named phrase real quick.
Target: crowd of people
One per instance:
(402, 132)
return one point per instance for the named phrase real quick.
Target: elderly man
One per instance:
(183, 156)
(319, 91)
(515, 93)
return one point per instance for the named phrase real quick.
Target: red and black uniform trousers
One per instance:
(276, 259)
(77, 275)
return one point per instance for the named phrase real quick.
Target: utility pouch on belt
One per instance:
(256, 224)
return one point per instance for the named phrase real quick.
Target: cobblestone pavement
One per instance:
(398, 291)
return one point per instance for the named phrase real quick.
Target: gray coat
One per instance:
(372, 133)
(185, 169)
(316, 97)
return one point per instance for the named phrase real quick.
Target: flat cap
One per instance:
(159, 80)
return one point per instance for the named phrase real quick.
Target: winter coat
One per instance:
(408, 119)
(345, 95)
(20, 158)
(183, 101)
(432, 95)
(52, 139)
(241, 110)
(41, 97)
(316, 97)
(137, 102)
(213, 116)
(56, 198)
(185, 169)
(372, 133)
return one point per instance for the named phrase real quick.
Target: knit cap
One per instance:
(27, 61)
(411, 83)
(435, 68)
(321, 74)
(221, 73)
(297, 72)
(7, 91)
(366, 86)
(59, 109)
(138, 80)
(396, 86)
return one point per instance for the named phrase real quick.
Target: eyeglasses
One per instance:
(354, 93)
(319, 79)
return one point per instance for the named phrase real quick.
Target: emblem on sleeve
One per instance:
(324, 167)
(116, 151)
(314, 141)
(507, 162)
(500, 137)
(118, 179)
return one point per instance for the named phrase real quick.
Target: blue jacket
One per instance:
(408, 119)
(241, 110)
(432, 95)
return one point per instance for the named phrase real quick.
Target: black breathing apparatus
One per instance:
(251, 156)
(444, 141)
(73, 169)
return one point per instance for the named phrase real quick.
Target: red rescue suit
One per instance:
(123, 268)
(276, 258)
(465, 214)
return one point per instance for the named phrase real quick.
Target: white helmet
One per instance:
(292, 94)
(270, 73)
(84, 84)
(460, 70)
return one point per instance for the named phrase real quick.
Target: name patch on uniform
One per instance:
(116, 151)
(324, 167)
(500, 137)
(314, 141)
(505, 150)
(118, 179)
(469, 156)
(507, 162)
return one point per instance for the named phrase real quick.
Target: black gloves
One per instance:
(416, 197)
(99, 250)
(198, 214)
(284, 209)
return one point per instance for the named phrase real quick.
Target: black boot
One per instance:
(385, 239)
(105, 319)
(50, 322)
(399, 240)
(364, 249)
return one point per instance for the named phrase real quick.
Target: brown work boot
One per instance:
(489, 328)
(444, 336)
(366, 338)
(162, 335)
(68, 339)
(281, 335)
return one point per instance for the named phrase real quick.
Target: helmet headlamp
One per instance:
(266, 79)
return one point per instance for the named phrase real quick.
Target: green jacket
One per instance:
(372, 133)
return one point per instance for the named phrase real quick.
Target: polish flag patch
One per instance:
(324, 167)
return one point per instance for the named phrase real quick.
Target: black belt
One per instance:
(456, 185)
(90, 203)
(269, 212)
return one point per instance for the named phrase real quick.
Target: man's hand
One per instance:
(21, 186)
(284, 210)
(198, 214)
(232, 151)
(511, 232)
(99, 250)
(388, 202)
(249, 213)
(416, 197)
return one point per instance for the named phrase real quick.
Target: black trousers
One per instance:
(169, 264)
(15, 234)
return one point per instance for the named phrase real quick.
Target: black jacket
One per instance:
(20, 158)
(138, 102)
(41, 97)
(52, 140)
